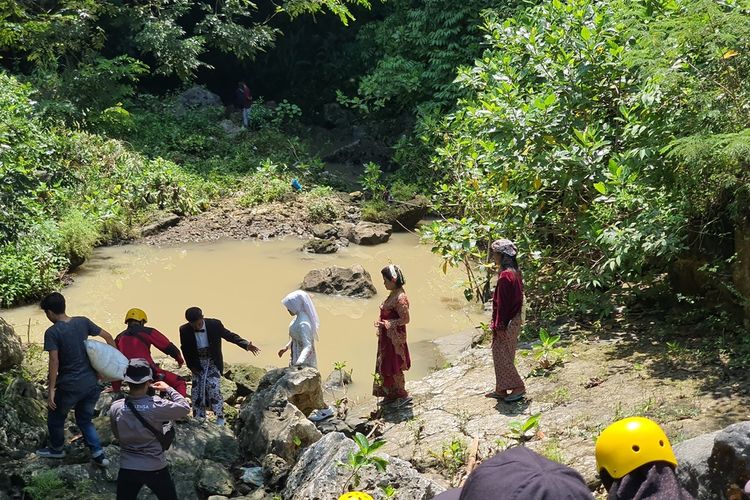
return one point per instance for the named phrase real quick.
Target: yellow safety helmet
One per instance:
(629, 443)
(355, 495)
(136, 314)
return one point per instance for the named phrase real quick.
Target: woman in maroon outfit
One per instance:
(507, 303)
(393, 352)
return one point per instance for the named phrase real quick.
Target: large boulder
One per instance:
(352, 281)
(196, 441)
(710, 464)
(274, 421)
(23, 421)
(195, 97)
(370, 233)
(401, 215)
(692, 459)
(11, 354)
(318, 474)
(320, 246)
(324, 231)
(247, 377)
(214, 479)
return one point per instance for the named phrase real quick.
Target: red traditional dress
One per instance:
(507, 302)
(393, 352)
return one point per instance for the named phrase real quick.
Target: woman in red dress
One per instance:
(507, 303)
(393, 352)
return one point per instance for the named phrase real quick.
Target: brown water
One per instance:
(243, 282)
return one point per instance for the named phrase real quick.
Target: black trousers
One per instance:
(130, 482)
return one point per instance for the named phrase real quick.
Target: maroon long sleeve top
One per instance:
(507, 299)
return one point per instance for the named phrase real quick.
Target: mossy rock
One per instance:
(401, 215)
(247, 377)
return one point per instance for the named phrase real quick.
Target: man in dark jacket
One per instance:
(243, 99)
(200, 340)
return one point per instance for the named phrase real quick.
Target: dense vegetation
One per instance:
(609, 138)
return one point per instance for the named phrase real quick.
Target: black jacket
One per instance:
(215, 331)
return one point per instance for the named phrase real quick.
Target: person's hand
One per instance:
(51, 399)
(250, 347)
(160, 386)
(180, 362)
(282, 351)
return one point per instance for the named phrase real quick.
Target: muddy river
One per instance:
(243, 282)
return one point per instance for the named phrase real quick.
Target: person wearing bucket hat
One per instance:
(636, 461)
(520, 474)
(135, 421)
(507, 303)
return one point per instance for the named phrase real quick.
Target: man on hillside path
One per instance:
(73, 383)
(243, 99)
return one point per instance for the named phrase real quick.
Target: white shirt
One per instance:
(302, 342)
(201, 337)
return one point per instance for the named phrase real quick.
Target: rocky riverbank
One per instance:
(273, 451)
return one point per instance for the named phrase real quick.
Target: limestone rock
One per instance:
(230, 128)
(692, 459)
(160, 225)
(195, 442)
(274, 420)
(104, 429)
(320, 246)
(228, 390)
(337, 380)
(214, 479)
(246, 377)
(195, 97)
(317, 474)
(370, 233)
(402, 216)
(275, 470)
(11, 354)
(23, 424)
(324, 231)
(351, 282)
(730, 458)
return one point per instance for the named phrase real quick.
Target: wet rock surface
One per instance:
(353, 281)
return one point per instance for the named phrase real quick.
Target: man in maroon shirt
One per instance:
(136, 341)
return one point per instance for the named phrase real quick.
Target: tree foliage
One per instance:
(600, 135)
(94, 50)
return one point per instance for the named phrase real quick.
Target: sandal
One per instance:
(494, 395)
(401, 402)
(514, 397)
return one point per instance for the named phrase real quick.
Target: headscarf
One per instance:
(394, 273)
(300, 302)
(504, 246)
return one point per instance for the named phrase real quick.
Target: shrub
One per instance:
(78, 233)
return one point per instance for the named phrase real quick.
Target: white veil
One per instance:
(298, 302)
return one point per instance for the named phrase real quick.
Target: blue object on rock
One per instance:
(296, 185)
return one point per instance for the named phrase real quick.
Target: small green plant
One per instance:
(417, 429)
(551, 449)
(372, 180)
(522, 431)
(46, 485)
(559, 396)
(297, 441)
(452, 457)
(322, 205)
(363, 457)
(547, 353)
(389, 491)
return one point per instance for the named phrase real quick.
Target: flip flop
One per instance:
(514, 397)
(494, 395)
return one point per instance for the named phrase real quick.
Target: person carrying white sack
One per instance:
(303, 330)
